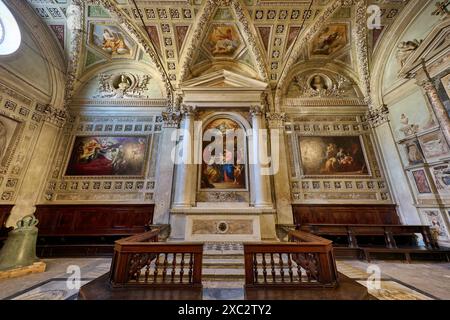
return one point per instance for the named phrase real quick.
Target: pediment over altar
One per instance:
(223, 88)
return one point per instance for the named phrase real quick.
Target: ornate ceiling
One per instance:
(262, 38)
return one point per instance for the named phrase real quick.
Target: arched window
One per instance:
(10, 37)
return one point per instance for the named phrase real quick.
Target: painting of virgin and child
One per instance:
(223, 168)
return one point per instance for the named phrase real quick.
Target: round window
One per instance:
(10, 36)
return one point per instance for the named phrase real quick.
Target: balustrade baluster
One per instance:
(174, 266)
(281, 267)
(291, 274)
(264, 264)
(255, 267)
(165, 263)
(191, 266)
(272, 263)
(182, 268)
(299, 269)
(147, 270)
(155, 273)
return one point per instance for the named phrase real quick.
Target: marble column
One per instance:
(184, 183)
(261, 183)
(166, 166)
(39, 166)
(281, 176)
(438, 108)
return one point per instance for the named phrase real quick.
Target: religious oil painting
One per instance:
(330, 39)
(342, 156)
(421, 181)
(223, 40)
(9, 129)
(435, 221)
(224, 167)
(111, 40)
(107, 156)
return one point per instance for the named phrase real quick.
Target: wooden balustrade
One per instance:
(141, 260)
(306, 261)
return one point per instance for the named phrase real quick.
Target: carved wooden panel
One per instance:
(345, 214)
(92, 220)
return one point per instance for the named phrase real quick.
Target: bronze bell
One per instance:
(19, 249)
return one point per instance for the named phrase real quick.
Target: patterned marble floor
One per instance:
(399, 281)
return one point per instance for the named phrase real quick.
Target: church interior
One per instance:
(224, 149)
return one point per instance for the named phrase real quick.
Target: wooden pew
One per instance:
(88, 230)
(387, 233)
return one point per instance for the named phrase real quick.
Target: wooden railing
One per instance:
(306, 261)
(140, 260)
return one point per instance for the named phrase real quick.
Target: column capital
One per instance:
(188, 110)
(256, 110)
(378, 116)
(171, 119)
(276, 119)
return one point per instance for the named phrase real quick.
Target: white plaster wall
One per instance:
(398, 181)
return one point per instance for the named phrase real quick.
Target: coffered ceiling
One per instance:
(257, 37)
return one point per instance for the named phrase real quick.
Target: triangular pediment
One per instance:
(224, 79)
(430, 50)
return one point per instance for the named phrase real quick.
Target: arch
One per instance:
(137, 33)
(198, 32)
(385, 49)
(139, 67)
(319, 67)
(49, 48)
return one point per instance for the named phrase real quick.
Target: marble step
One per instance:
(232, 278)
(223, 256)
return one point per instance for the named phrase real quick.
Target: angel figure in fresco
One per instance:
(2, 139)
(328, 42)
(223, 40)
(114, 42)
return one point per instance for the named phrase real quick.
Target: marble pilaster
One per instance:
(281, 176)
(184, 183)
(165, 172)
(261, 183)
(39, 165)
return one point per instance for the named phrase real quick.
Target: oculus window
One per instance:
(10, 36)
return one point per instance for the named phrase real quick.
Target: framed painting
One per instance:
(434, 219)
(110, 40)
(107, 156)
(224, 169)
(330, 39)
(421, 181)
(9, 132)
(335, 156)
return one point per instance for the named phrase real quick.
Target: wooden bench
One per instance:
(385, 240)
(88, 230)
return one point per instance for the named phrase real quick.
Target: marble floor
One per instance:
(398, 280)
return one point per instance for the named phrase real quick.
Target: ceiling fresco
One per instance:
(195, 34)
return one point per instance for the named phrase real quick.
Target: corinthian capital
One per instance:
(188, 110)
(256, 110)
(378, 116)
